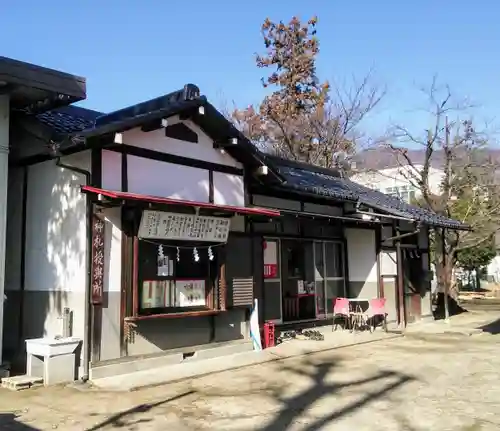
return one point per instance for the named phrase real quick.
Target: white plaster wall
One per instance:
(111, 176)
(112, 249)
(388, 263)
(110, 318)
(157, 141)
(56, 242)
(152, 177)
(362, 261)
(361, 254)
(229, 189)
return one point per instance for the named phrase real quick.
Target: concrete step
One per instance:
(133, 365)
(18, 383)
(4, 371)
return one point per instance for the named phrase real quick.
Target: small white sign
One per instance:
(188, 227)
(300, 287)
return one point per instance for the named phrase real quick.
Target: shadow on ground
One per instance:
(377, 386)
(453, 307)
(272, 390)
(491, 328)
(8, 421)
(131, 417)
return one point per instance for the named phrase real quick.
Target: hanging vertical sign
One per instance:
(97, 260)
(270, 259)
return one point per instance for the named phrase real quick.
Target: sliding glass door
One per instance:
(329, 275)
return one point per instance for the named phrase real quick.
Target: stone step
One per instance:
(4, 371)
(143, 364)
(18, 383)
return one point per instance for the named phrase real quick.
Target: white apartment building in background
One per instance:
(396, 181)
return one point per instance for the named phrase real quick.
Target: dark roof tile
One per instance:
(309, 179)
(69, 119)
(317, 183)
(397, 207)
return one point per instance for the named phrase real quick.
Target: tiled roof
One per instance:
(397, 207)
(69, 119)
(308, 179)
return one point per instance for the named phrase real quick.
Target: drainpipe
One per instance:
(87, 336)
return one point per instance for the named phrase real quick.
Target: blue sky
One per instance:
(131, 51)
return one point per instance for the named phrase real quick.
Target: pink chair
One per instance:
(340, 309)
(376, 308)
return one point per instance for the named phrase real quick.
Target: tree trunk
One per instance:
(478, 279)
(444, 270)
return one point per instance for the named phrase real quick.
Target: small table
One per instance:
(357, 315)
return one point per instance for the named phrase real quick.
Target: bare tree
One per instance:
(304, 119)
(468, 188)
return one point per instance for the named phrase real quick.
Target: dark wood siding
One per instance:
(238, 271)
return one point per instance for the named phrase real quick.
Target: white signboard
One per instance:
(188, 227)
(270, 259)
(300, 287)
(190, 293)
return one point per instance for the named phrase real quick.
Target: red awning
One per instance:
(168, 201)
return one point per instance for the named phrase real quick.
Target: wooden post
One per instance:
(400, 282)
(445, 284)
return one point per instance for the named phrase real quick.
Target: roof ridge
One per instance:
(187, 93)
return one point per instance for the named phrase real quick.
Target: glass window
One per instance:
(334, 289)
(328, 258)
(175, 280)
(319, 263)
(390, 190)
(320, 297)
(295, 259)
(334, 260)
(309, 266)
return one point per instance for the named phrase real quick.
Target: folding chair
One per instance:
(376, 308)
(340, 309)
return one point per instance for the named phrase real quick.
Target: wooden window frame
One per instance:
(216, 287)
